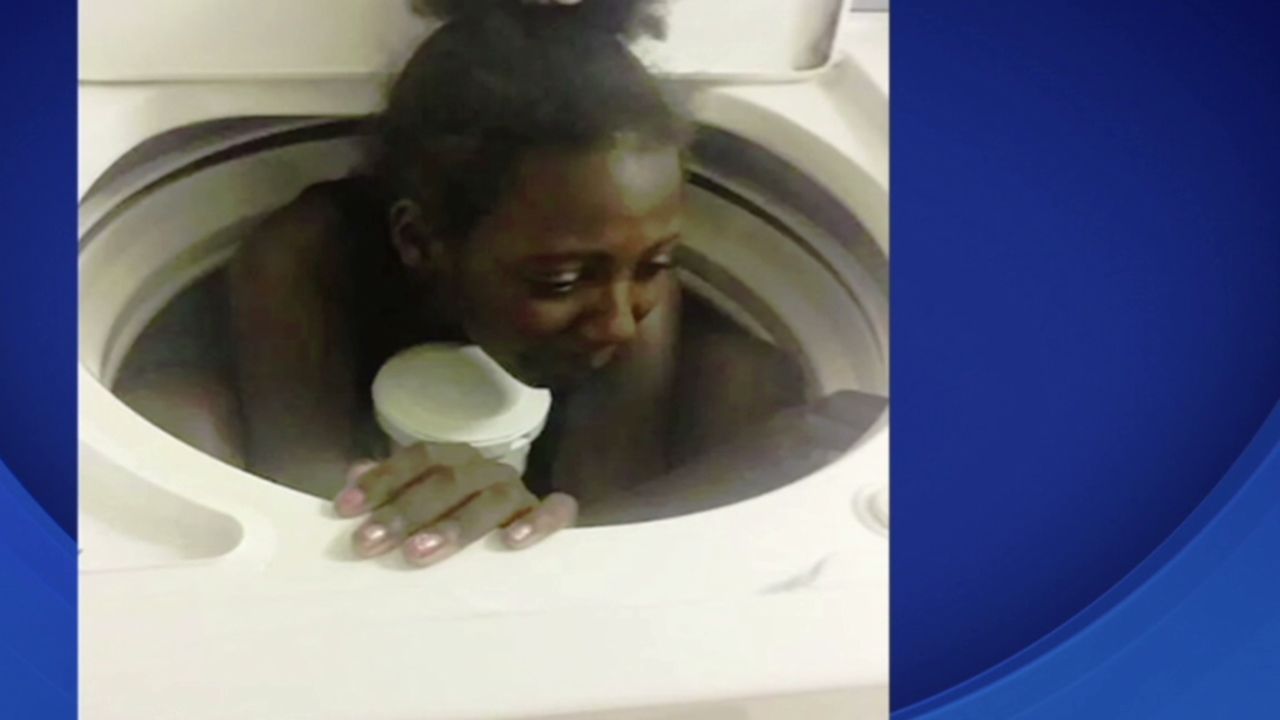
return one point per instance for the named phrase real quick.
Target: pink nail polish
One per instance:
(423, 545)
(373, 539)
(350, 502)
(358, 469)
(519, 533)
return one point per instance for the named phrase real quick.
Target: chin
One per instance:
(532, 374)
(548, 370)
(554, 376)
(556, 380)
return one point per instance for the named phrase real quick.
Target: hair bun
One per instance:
(627, 18)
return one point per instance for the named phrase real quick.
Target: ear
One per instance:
(415, 243)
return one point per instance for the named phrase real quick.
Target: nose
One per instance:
(613, 317)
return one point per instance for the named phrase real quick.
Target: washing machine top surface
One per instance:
(150, 40)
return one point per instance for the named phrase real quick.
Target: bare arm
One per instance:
(293, 358)
(740, 427)
(793, 443)
(728, 382)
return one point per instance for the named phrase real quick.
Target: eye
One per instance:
(654, 266)
(555, 285)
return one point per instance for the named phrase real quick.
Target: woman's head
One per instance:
(537, 166)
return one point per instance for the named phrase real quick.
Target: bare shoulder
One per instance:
(292, 243)
(728, 380)
(715, 347)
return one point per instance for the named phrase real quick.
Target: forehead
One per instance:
(595, 190)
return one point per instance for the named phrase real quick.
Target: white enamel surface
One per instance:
(149, 40)
(207, 593)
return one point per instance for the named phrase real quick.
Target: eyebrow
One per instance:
(564, 258)
(557, 258)
(670, 239)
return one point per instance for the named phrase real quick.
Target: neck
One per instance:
(437, 314)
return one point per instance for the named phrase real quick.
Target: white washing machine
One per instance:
(209, 593)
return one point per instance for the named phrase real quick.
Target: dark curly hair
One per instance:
(501, 77)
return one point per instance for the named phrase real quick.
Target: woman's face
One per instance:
(556, 280)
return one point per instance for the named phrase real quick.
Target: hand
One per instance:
(435, 500)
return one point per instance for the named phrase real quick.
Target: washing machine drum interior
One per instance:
(763, 243)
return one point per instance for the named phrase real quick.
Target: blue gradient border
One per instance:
(1193, 632)
(1086, 308)
(37, 363)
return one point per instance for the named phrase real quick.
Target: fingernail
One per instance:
(423, 546)
(358, 469)
(519, 533)
(373, 539)
(350, 502)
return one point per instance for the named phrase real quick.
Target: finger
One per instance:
(348, 503)
(473, 520)
(375, 487)
(556, 512)
(428, 497)
(358, 469)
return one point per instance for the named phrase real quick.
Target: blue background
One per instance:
(1086, 299)
(37, 361)
(1086, 311)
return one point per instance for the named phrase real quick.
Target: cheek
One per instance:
(653, 295)
(499, 312)
(532, 318)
